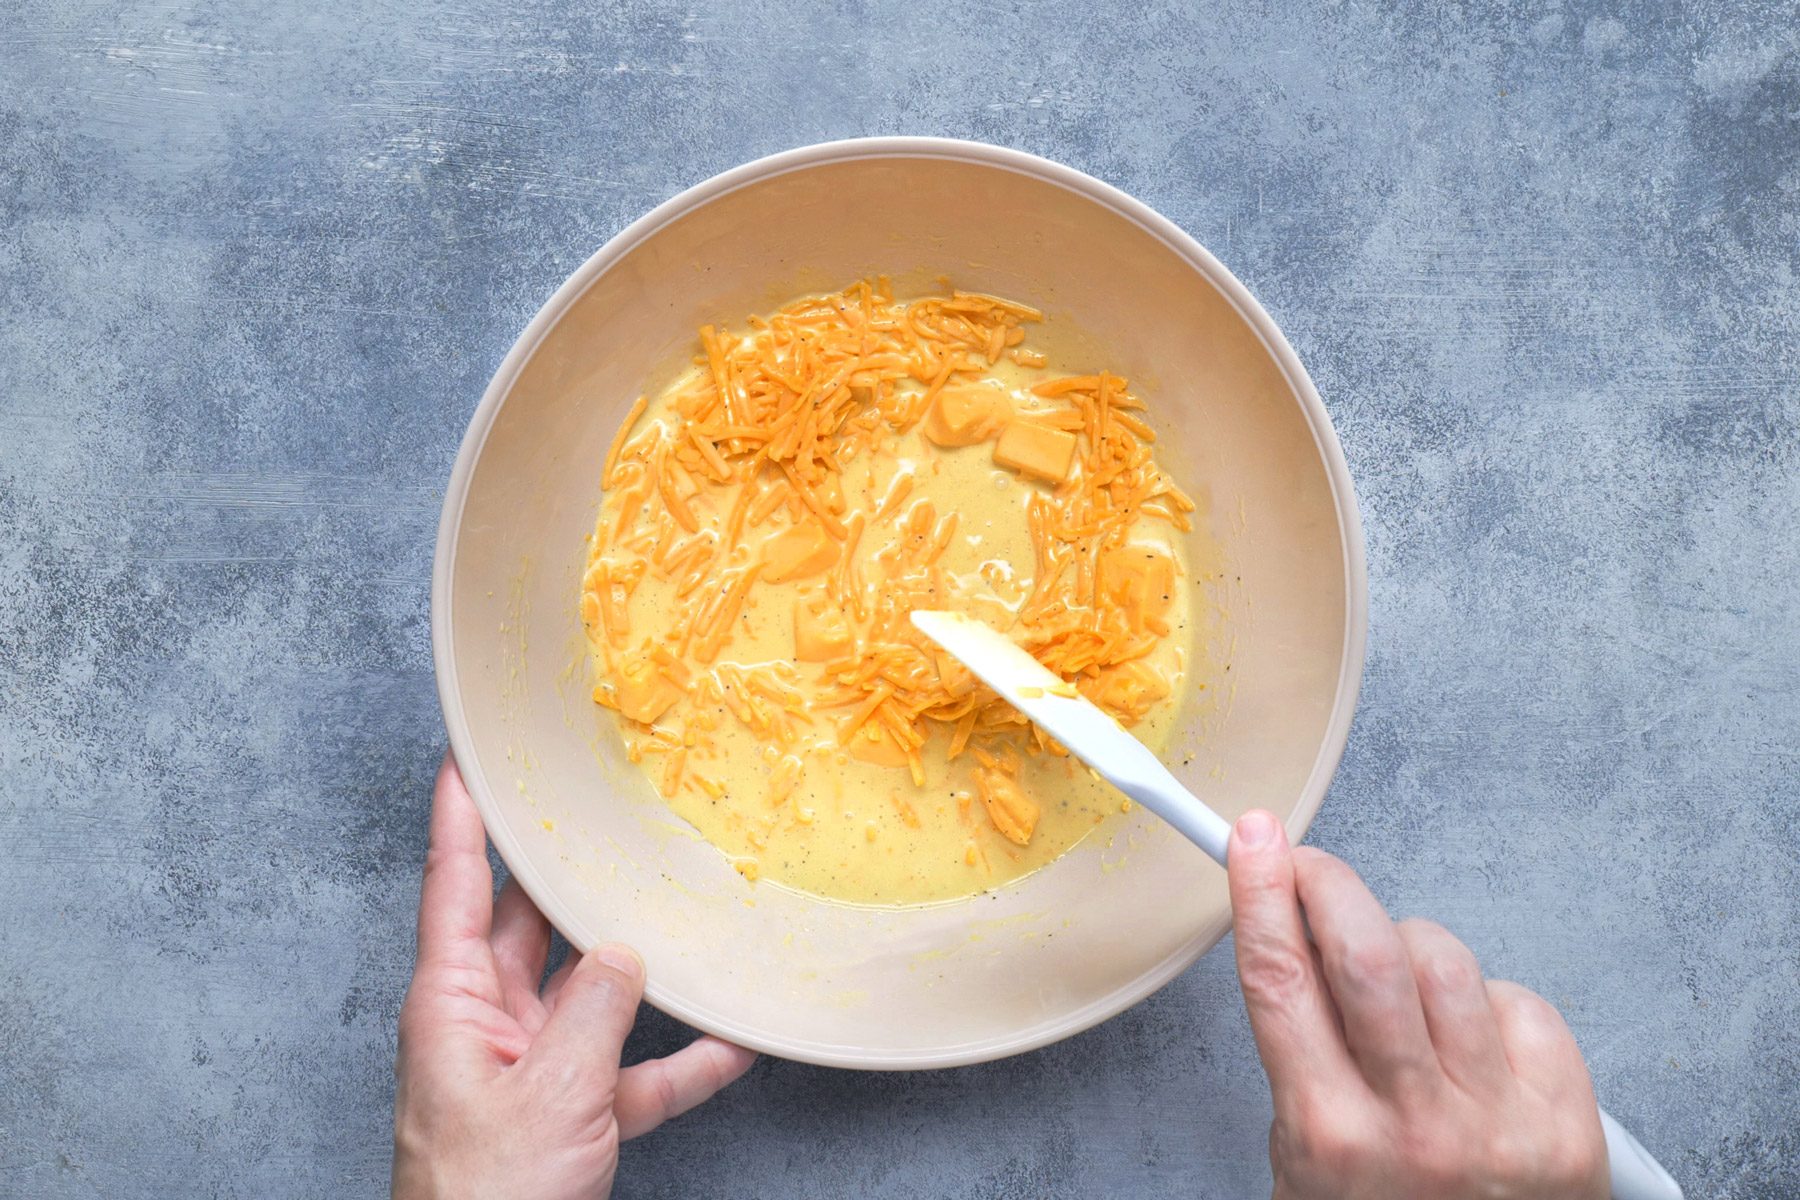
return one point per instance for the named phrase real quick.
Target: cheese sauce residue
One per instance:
(771, 519)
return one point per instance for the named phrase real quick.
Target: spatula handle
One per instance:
(1635, 1174)
(1151, 784)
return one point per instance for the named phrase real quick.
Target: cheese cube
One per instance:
(820, 632)
(1036, 450)
(963, 416)
(799, 550)
(644, 694)
(874, 744)
(1142, 573)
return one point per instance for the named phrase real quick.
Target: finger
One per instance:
(1369, 976)
(456, 898)
(1547, 1063)
(1461, 1021)
(1337, 1018)
(1284, 993)
(521, 941)
(652, 1092)
(1539, 1047)
(554, 985)
(595, 1009)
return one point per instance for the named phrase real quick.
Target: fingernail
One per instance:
(1256, 828)
(620, 958)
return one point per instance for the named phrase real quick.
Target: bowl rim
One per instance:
(1177, 241)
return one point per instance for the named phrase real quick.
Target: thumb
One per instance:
(582, 1040)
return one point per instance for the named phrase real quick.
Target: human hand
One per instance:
(505, 1091)
(1397, 1071)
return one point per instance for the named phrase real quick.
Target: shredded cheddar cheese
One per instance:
(756, 482)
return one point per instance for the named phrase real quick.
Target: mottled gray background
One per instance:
(257, 261)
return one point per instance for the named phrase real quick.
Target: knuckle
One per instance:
(611, 987)
(1556, 1153)
(1573, 1160)
(1323, 1144)
(1322, 1139)
(1512, 1157)
(1447, 970)
(717, 1074)
(1435, 1160)
(1273, 976)
(1371, 964)
(1527, 1011)
(1264, 888)
(438, 859)
(1427, 939)
(668, 1101)
(560, 1077)
(1435, 1168)
(1505, 995)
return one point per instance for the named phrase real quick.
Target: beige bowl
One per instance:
(1060, 950)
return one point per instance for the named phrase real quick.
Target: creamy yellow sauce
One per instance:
(850, 829)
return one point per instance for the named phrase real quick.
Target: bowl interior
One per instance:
(959, 982)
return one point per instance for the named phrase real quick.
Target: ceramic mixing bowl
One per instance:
(1129, 907)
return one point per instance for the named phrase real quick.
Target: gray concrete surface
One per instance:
(257, 262)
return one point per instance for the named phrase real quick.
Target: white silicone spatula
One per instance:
(1126, 763)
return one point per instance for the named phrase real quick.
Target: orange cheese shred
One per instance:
(618, 442)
